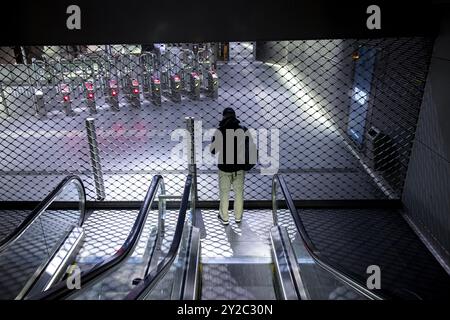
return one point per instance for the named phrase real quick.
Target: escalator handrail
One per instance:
(163, 267)
(43, 205)
(101, 269)
(311, 248)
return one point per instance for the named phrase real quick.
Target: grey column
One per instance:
(3, 101)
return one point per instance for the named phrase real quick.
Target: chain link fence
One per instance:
(336, 117)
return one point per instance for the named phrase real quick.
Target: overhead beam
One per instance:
(43, 22)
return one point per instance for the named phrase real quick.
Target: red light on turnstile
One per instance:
(90, 95)
(177, 78)
(114, 93)
(89, 85)
(135, 90)
(66, 98)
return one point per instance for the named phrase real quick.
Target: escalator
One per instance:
(294, 270)
(115, 276)
(171, 255)
(35, 255)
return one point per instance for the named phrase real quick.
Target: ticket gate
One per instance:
(148, 65)
(171, 73)
(156, 91)
(42, 72)
(126, 84)
(39, 103)
(165, 85)
(134, 94)
(90, 97)
(194, 85)
(213, 84)
(113, 95)
(190, 78)
(160, 49)
(65, 91)
(175, 88)
(107, 71)
(75, 72)
(146, 85)
(205, 61)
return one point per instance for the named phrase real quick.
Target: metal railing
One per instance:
(43, 205)
(107, 266)
(317, 256)
(150, 280)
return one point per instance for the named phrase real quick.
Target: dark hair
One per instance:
(228, 112)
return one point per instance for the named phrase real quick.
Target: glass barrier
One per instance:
(38, 236)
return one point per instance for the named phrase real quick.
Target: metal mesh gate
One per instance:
(337, 117)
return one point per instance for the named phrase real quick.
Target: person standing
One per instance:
(231, 143)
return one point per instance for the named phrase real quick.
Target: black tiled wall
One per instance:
(427, 189)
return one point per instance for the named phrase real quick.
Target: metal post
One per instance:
(108, 50)
(24, 55)
(39, 103)
(192, 165)
(3, 102)
(95, 159)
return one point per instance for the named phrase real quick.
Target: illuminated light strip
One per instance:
(354, 133)
(360, 96)
(305, 261)
(228, 258)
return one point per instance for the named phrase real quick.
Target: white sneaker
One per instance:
(224, 222)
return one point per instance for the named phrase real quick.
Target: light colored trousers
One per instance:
(226, 179)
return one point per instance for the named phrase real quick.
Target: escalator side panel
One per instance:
(287, 275)
(57, 265)
(41, 269)
(191, 289)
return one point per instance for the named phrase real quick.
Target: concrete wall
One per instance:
(427, 189)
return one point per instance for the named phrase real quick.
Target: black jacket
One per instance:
(239, 148)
